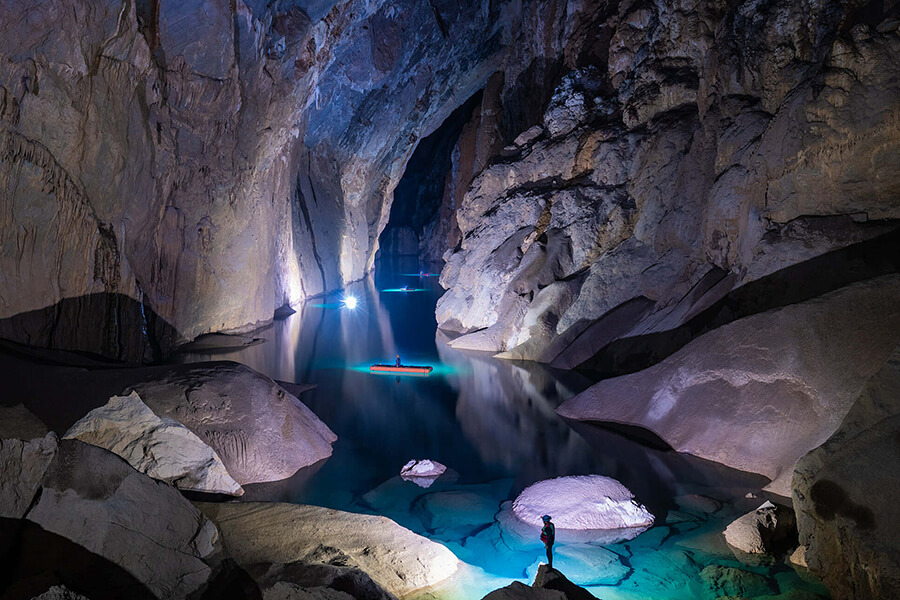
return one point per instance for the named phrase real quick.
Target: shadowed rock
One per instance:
(849, 529)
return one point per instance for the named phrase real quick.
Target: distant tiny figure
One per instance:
(397, 363)
(548, 536)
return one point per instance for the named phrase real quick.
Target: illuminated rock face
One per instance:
(161, 448)
(759, 393)
(167, 173)
(259, 430)
(706, 149)
(848, 521)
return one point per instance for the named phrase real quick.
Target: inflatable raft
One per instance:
(416, 369)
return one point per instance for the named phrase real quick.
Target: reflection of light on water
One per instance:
(404, 290)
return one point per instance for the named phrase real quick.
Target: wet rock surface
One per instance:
(769, 530)
(848, 529)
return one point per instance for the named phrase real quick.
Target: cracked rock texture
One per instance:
(850, 530)
(686, 150)
(97, 500)
(260, 431)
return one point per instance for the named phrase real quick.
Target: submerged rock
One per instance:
(160, 447)
(760, 392)
(769, 530)
(581, 502)
(259, 430)
(849, 527)
(397, 559)
(94, 498)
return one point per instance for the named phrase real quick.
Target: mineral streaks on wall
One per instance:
(210, 139)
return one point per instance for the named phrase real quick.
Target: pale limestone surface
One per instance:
(159, 447)
(396, 558)
(759, 393)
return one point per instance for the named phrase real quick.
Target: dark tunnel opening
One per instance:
(418, 224)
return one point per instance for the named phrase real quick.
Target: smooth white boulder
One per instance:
(422, 472)
(769, 529)
(162, 448)
(97, 500)
(581, 502)
(397, 559)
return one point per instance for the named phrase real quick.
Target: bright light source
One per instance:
(350, 302)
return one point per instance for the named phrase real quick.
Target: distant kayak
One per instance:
(417, 369)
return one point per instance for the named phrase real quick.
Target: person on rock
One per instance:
(397, 362)
(548, 536)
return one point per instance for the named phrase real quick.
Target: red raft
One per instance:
(416, 369)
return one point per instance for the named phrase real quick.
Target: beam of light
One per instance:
(351, 302)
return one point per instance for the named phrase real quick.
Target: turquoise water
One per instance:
(492, 422)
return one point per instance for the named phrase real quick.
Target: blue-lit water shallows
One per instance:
(492, 422)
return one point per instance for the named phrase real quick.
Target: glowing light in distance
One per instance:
(351, 302)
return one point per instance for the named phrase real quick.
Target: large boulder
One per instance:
(581, 502)
(22, 467)
(850, 529)
(97, 500)
(259, 430)
(397, 559)
(160, 447)
(302, 581)
(16, 421)
(549, 584)
(759, 393)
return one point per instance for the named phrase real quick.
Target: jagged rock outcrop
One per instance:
(159, 447)
(98, 501)
(171, 169)
(770, 530)
(24, 464)
(259, 430)
(849, 529)
(759, 393)
(394, 557)
(701, 149)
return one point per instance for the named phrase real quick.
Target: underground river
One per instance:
(492, 422)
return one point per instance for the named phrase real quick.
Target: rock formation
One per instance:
(581, 502)
(172, 169)
(849, 528)
(769, 530)
(94, 498)
(696, 151)
(161, 448)
(397, 559)
(759, 393)
(259, 430)
(549, 584)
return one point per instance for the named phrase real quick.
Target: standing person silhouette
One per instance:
(397, 363)
(548, 536)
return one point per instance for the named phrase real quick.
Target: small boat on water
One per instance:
(416, 369)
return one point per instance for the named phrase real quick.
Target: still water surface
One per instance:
(492, 422)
